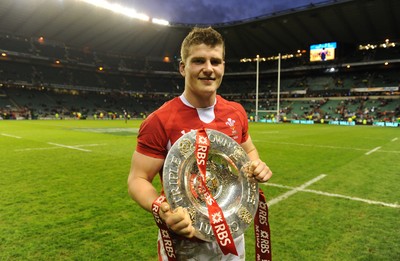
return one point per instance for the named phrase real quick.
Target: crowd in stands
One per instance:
(50, 80)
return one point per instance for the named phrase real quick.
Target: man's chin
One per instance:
(210, 88)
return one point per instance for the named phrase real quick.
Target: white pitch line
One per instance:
(394, 139)
(89, 145)
(322, 146)
(372, 151)
(294, 190)
(30, 149)
(374, 202)
(59, 147)
(68, 147)
(11, 136)
(309, 145)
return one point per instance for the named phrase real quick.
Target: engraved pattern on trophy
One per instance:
(186, 147)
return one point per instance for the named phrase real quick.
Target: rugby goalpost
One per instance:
(278, 89)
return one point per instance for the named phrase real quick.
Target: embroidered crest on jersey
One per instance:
(231, 124)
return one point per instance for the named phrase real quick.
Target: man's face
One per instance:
(203, 69)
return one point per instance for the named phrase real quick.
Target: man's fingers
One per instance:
(254, 164)
(179, 222)
(260, 171)
(178, 219)
(256, 167)
(164, 207)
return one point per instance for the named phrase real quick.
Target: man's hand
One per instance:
(178, 220)
(260, 171)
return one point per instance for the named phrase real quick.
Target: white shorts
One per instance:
(201, 250)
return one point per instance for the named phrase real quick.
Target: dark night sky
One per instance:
(211, 11)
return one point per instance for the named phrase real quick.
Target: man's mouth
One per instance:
(206, 79)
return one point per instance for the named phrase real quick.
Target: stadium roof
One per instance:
(77, 24)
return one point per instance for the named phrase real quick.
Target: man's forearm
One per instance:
(143, 192)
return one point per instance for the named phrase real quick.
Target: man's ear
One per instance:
(182, 68)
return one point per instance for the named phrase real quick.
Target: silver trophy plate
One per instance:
(226, 179)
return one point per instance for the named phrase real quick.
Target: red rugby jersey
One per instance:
(163, 127)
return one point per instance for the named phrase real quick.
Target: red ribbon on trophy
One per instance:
(218, 222)
(164, 231)
(262, 231)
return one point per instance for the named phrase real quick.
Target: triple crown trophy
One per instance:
(222, 180)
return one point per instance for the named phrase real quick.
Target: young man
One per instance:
(199, 106)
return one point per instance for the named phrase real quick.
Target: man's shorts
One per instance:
(201, 250)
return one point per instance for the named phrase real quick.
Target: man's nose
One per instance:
(208, 67)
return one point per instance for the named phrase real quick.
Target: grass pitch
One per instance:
(335, 193)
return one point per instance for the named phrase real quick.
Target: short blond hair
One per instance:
(197, 36)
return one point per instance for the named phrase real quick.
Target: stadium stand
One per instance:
(46, 87)
(39, 79)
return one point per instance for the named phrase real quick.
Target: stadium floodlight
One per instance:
(119, 9)
(160, 21)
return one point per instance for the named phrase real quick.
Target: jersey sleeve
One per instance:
(152, 139)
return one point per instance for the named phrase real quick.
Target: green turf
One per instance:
(71, 203)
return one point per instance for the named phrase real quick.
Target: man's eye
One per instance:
(198, 61)
(216, 62)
